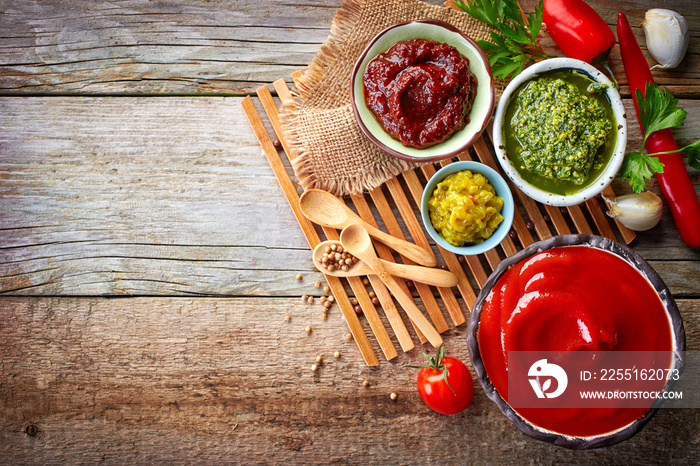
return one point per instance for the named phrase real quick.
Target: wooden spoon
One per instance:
(325, 209)
(427, 275)
(356, 240)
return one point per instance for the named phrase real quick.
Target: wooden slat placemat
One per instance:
(398, 202)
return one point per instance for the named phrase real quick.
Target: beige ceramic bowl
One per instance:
(482, 107)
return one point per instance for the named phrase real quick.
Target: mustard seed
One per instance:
(365, 383)
(310, 300)
(331, 298)
(319, 359)
(314, 368)
(326, 289)
(299, 276)
(287, 318)
(317, 284)
(307, 329)
(372, 294)
(393, 396)
(336, 355)
(348, 336)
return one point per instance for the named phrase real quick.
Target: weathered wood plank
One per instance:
(199, 47)
(169, 196)
(171, 379)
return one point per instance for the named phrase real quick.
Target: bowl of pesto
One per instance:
(560, 131)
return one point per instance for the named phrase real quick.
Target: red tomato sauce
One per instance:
(568, 299)
(420, 91)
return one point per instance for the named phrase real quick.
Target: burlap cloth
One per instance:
(328, 150)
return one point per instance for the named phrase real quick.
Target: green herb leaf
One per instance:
(513, 42)
(693, 153)
(639, 167)
(658, 109)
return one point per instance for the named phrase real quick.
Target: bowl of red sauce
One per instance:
(422, 91)
(576, 298)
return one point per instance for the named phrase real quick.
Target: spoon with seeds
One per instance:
(356, 240)
(328, 258)
(325, 209)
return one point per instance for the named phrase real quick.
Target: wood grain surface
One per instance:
(182, 379)
(148, 256)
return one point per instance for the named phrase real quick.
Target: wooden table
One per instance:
(148, 256)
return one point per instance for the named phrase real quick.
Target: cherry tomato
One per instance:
(445, 384)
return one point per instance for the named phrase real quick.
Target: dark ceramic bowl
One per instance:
(632, 258)
(482, 107)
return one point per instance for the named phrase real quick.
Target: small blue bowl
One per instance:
(502, 190)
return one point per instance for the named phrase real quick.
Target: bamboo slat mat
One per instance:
(394, 207)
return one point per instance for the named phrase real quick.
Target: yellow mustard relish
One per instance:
(464, 208)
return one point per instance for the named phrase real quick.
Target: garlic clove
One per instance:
(667, 36)
(638, 212)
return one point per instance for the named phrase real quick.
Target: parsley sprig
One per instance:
(514, 40)
(658, 110)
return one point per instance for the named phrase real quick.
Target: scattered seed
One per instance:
(336, 258)
(325, 314)
(307, 329)
(277, 143)
(314, 368)
(323, 299)
(375, 301)
(563, 210)
(513, 234)
(410, 284)
(372, 294)
(287, 318)
(319, 359)
(462, 259)
(326, 289)
(317, 284)
(358, 310)
(530, 226)
(353, 301)
(305, 298)
(336, 355)
(331, 298)
(310, 300)
(393, 396)
(328, 304)
(365, 281)
(299, 276)
(348, 336)
(443, 266)
(365, 383)
(546, 218)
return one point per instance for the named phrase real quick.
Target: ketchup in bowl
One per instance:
(573, 298)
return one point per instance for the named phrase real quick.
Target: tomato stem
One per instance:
(436, 364)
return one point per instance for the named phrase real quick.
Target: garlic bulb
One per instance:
(667, 36)
(638, 212)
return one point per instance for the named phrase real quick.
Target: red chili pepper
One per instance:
(674, 181)
(578, 30)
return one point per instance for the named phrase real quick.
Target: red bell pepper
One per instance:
(578, 30)
(674, 181)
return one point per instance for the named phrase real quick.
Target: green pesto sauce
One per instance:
(559, 136)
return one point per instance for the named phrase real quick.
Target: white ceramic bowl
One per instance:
(482, 107)
(609, 172)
